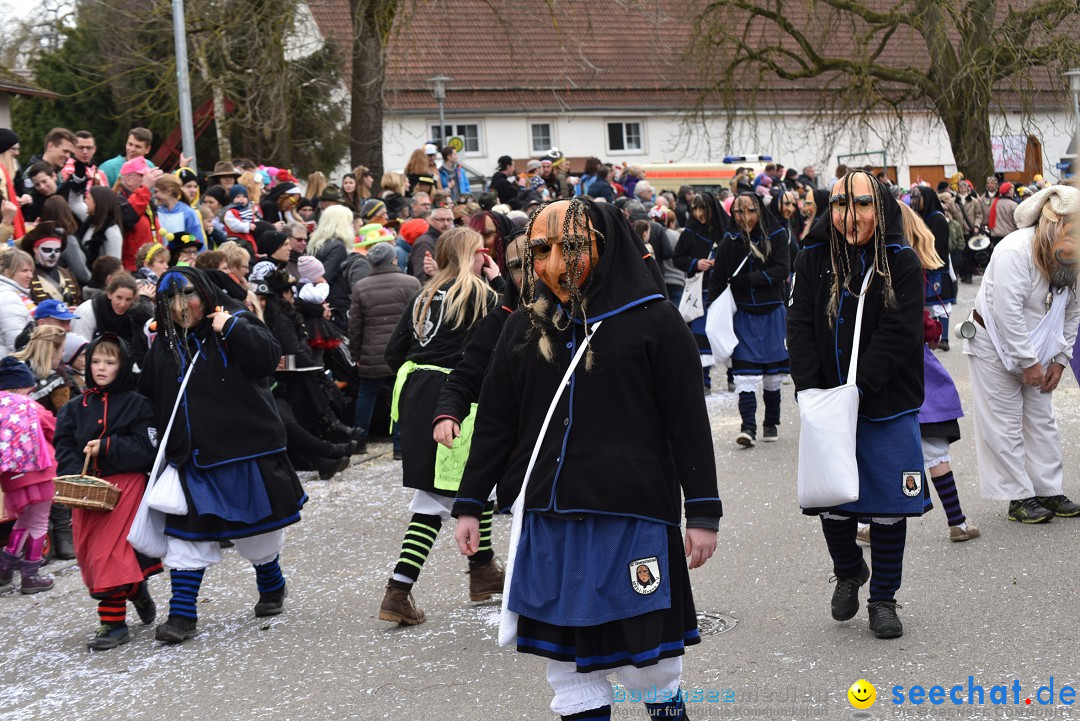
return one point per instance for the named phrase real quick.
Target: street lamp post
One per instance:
(438, 89)
(187, 125)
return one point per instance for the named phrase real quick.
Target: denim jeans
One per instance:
(367, 392)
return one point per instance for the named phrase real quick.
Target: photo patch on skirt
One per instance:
(912, 483)
(645, 575)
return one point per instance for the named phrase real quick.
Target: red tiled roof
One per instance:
(595, 55)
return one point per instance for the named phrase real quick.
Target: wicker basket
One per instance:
(87, 492)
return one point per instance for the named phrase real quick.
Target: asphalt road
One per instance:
(1001, 609)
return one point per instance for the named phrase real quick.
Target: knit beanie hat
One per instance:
(1053, 202)
(15, 374)
(270, 241)
(310, 268)
(371, 208)
(8, 139)
(236, 190)
(381, 254)
(218, 193)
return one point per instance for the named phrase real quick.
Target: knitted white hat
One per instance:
(1051, 202)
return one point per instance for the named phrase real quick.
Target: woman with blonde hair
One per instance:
(330, 244)
(16, 272)
(394, 186)
(316, 184)
(424, 349)
(941, 407)
(43, 354)
(238, 262)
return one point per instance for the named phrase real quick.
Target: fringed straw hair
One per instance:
(840, 253)
(762, 247)
(577, 234)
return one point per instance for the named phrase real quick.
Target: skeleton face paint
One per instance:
(48, 253)
(554, 254)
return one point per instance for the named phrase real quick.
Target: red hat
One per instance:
(135, 165)
(284, 176)
(410, 230)
(1005, 189)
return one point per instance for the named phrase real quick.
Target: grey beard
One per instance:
(1063, 276)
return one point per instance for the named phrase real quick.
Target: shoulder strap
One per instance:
(163, 439)
(554, 403)
(741, 265)
(853, 365)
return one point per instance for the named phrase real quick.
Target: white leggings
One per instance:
(749, 384)
(193, 555)
(888, 521)
(577, 692)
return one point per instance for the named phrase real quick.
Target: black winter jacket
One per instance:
(759, 286)
(890, 374)
(228, 413)
(628, 437)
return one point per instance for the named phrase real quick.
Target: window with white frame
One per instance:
(468, 132)
(625, 135)
(542, 135)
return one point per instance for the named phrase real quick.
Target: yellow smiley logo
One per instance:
(862, 694)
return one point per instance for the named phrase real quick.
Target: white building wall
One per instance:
(790, 139)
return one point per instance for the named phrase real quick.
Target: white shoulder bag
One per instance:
(163, 494)
(720, 322)
(828, 471)
(508, 620)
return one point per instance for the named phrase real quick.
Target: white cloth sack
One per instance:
(147, 534)
(508, 620)
(828, 470)
(720, 323)
(1047, 338)
(167, 495)
(691, 306)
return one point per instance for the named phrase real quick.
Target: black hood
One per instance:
(622, 277)
(931, 203)
(718, 224)
(125, 377)
(212, 296)
(768, 222)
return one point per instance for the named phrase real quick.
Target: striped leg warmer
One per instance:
(416, 546)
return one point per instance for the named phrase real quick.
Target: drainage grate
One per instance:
(711, 623)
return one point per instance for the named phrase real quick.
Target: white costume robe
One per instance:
(1017, 443)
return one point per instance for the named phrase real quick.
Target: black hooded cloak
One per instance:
(631, 435)
(938, 282)
(890, 374)
(760, 286)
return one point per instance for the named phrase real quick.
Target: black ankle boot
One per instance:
(343, 450)
(328, 467)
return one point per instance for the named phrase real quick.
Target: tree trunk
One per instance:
(371, 23)
(224, 146)
(968, 126)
